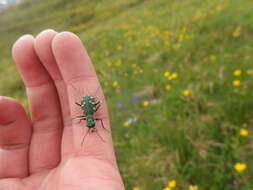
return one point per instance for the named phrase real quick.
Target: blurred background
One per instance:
(177, 75)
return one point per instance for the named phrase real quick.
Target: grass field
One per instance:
(177, 76)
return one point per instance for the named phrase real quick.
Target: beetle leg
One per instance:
(85, 136)
(96, 109)
(96, 131)
(84, 118)
(98, 102)
(79, 116)
(78, 104)
(102, 124)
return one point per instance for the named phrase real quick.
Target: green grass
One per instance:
(193, 139)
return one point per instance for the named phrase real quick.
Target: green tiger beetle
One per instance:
(89, 106)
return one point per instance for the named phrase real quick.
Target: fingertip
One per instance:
(32, 71)
(20, 48)
(47, 31)
(15, 133)
(9, 110)
(42, 38)
(27, 38)
(43, 48)
(71, 56)
(65, 35)
(66, 41)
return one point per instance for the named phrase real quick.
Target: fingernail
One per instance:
(25, 36)
(7, 116)
(47, 30)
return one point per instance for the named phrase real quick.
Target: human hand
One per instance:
(46, 153)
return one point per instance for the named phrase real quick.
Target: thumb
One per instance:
(15, 132)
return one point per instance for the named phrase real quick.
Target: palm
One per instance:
(82, 173)
(47, 153)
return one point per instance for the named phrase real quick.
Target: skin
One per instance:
(45, 152)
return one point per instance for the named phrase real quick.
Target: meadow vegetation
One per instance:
(177, 76)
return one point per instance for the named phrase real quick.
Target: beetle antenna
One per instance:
(85, 135)
(96, 94)
(78, 90)
(98, 119)
(99, 136)
(97, 90)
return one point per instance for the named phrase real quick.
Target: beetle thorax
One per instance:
(88, 105)
(90, 121)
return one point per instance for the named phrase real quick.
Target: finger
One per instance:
(78, 72)
(43, 49)
(44, 106)
(15, 133)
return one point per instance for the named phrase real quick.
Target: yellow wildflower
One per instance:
(240, 167)
(212, 57)
(172, 76)
(180, 37)
(244, 132)
(141, 71)
(184, 29)
(166, 33)
(118, 63)
(166, 74)
(136, 188)
(237, 32)
(219, 7)
(125, 26)
(237, 72)
(109, 63)
(119, 47)
(134, 65)
(166, 43)
(193, 187)
(236, 82)
(166, 188)
(126, 123)
(129, 39)
(145, 103)
(176, 46)
(116, 84)
(186, 92)
(168, 87)
(172, 184)
(187, 36)
(198, 15)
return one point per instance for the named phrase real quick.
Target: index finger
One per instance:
(78, 73)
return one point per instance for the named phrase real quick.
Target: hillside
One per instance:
(177, 76)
